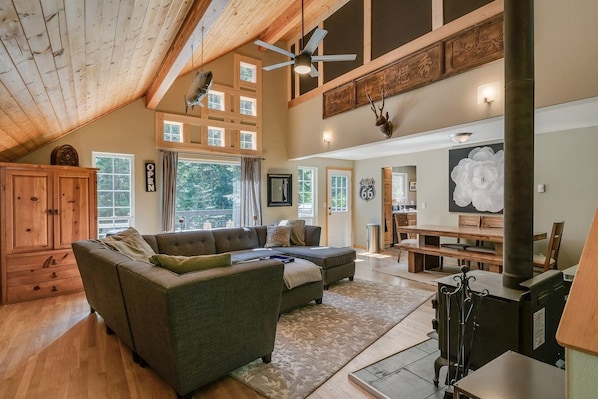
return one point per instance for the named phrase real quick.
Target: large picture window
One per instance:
(115, 191)
(207, 194)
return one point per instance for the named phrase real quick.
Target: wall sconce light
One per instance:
(487, 93)
(461, 138)
(327, 137)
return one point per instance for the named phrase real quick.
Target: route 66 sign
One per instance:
(366, 190)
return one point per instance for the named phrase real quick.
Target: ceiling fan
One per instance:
(303, 60)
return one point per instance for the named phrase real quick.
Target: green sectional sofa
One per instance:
(196, 327)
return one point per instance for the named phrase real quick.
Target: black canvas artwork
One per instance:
(476, 179)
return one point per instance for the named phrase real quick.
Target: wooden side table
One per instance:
(513, 376)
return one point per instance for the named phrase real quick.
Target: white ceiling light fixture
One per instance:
(461, 138)
(303, 64)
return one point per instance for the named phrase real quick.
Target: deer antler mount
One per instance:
(382, 121)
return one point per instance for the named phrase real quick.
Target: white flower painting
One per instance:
(477, 180)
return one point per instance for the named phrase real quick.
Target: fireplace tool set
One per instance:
(468, 305)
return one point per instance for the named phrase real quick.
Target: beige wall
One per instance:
(566, 37)
(129, 130)
(558, 157)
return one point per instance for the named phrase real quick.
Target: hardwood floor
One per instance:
(54, 348)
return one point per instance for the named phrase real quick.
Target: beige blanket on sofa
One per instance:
(300, 272)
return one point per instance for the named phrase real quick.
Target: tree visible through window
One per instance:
(207, 194)
(306, 203)
(115, 191)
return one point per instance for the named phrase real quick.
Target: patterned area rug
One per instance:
(313, 342)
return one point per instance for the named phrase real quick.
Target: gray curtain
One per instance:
(169, 168)
(251, 208)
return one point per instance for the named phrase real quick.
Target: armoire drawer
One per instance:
(33, 276)
(39, 260)
(27, 292)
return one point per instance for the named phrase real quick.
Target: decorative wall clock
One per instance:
(64, 155)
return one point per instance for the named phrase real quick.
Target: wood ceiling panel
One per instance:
(65, 63)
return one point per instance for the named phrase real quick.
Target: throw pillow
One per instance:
(185, 264)
(130, 243)
(278, 236)
(297, 230)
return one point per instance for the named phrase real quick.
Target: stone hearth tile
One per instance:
(405, 384)
(396, 362)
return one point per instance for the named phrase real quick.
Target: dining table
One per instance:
(429, 236)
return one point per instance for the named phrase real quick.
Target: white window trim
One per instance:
(95, 154)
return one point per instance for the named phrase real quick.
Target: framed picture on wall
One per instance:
(476, 179)
(412, 186)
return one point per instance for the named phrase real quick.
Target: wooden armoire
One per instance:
(43, 209)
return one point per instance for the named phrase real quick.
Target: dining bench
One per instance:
(416, 253)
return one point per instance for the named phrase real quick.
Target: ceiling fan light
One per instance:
(303, 64)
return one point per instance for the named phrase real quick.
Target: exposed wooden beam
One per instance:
(288, 25)
(178, 54)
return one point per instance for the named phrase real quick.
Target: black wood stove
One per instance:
(524, 321)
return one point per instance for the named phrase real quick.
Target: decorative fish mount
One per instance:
(200, 86)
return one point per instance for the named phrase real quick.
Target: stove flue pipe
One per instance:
(519, 142)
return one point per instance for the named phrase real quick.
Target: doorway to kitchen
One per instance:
(400, 199)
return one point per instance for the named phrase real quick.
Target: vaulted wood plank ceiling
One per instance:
(66, 63)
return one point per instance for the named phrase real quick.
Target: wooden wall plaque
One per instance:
(413, 71)
(339, 100)
(476, 46)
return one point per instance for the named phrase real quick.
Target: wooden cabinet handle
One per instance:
(54, 289)
(48, 261)
(54, 275)
(36, 288)
(53, 261)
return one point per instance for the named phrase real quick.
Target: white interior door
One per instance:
(339, 207)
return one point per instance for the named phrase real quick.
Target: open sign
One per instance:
(150, 176)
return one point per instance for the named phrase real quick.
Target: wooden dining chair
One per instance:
(549, 261)
(464, 221)
(413, 239)
(492, 222)
(487, 222)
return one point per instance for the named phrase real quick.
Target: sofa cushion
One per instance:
(322, 256)
(187, 243)
(278, 236)
(297, 230)
(129, 242)
(185, 264)
(235, 239)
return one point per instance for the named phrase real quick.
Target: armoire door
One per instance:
(71, 208)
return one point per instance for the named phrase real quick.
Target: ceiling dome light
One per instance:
(461, 138)
(303, 63)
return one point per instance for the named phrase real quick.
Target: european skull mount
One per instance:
(383, 122)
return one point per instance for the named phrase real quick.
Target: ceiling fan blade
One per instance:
(274, 48)
(337, 57)
(315, 40)
(274, 66)
(314, 72)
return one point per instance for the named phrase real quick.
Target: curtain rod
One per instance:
(213, 155)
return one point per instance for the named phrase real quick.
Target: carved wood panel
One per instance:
(468, 49)
(339, 100)
(477, 46)
(414, 71)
